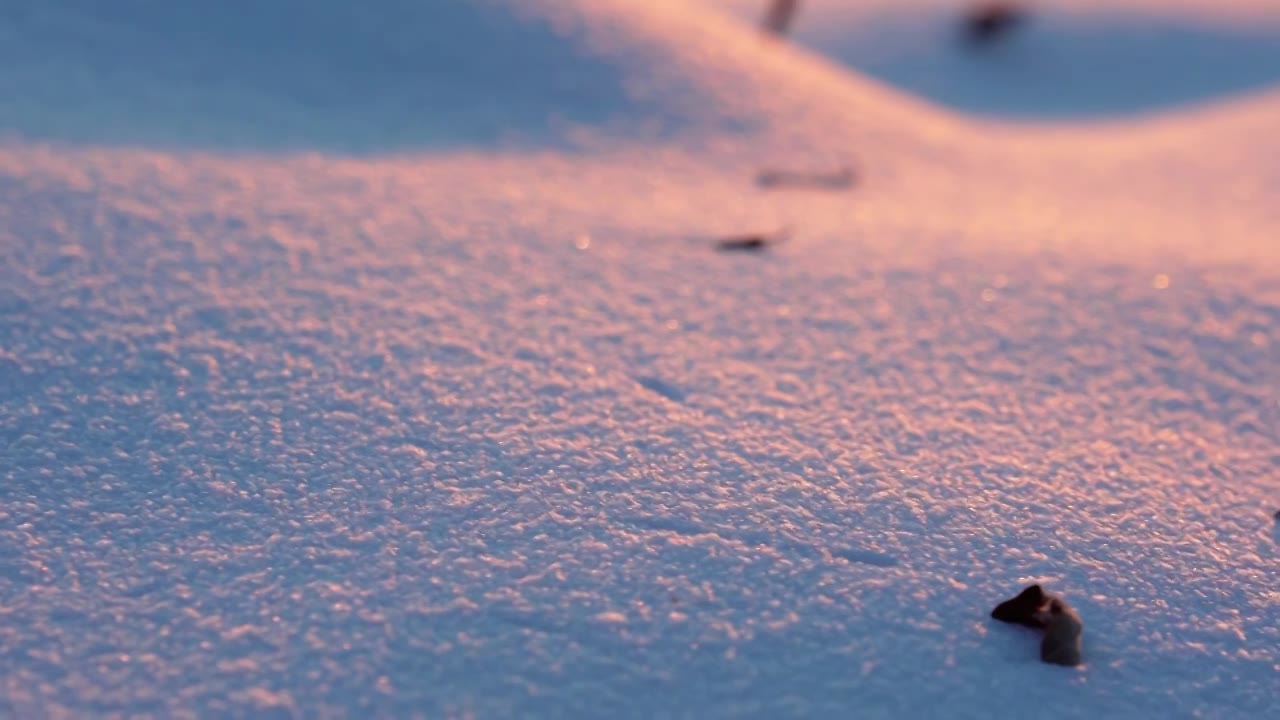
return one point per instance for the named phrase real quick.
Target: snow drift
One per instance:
(475, 429)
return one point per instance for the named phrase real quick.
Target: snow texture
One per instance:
(469, 428)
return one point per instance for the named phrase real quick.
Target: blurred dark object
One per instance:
(990, 22)
(1023, 609)
(1062, 631)
(1062, 627)
(752, 242)
(777, 19)
(841, 179)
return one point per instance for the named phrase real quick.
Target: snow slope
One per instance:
(293, 74)
(466, 428)
(1066, 59)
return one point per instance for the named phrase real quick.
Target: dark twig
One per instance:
(750, 242)
(841, 179)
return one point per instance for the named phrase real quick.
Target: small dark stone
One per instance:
(1277, 516)
(1062, 631)
(991, 21)
(1025, 609)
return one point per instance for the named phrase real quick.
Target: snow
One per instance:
(311, 408)
(297, 75)
(1062, 61)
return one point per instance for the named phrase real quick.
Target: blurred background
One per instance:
(1043, 59)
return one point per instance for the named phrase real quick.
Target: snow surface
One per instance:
(300, 74)
(1120, 57)
(477, 423)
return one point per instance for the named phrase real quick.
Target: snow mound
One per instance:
(500, 434)
(1061, 61)
(329, 75)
